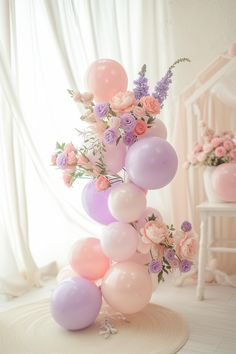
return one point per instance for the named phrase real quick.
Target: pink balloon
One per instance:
(126, 202)
(141, 258)
(158, 129)
(119, 241)
(66, 273)
(114, 157)
(224, 181)
(148, 213)
(127, 287)
(105, 78)
(88, 260)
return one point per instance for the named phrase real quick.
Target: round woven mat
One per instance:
(30, 329)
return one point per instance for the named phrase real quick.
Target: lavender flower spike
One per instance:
(162, 87)
(141, 83)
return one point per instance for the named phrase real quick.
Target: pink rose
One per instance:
(150, 104)
(102, 183)
(197, 148)
(68, 148)
(138, 112)
(154, 232)
(54, 159)
(220, 151)
(71, 158)
(228, 145)
(114, 122)
(216, 142)
(123, 102)
(67, 178)
(140, 127)
(187, 247)
(201, 156)
(233, 154)
(207, 148)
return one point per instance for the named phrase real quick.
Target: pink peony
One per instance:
(233, 154)
(220, 151)
(228, 145)
(154, 232)
(150, 104)
(68, 148)
(123, 102)
(197, 148)
(187, 247)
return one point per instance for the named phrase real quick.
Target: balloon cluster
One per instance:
(124, 134)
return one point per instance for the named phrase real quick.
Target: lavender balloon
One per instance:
(95, 203)
(151, 163)
(76, 303)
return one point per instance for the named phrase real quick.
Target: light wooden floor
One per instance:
(212, 322)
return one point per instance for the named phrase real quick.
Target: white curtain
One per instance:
(45, 48)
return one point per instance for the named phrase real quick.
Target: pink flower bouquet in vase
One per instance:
(213, 149)
(124, 153)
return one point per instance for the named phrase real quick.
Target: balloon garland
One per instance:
(123, 134)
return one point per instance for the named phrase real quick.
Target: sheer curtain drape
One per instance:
(45, 48)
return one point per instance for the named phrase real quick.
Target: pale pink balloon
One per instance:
(126, 202)
(224, 182)
(141, 258)
(158, 129)
(119, 241)
(148, 213)
(105, 78)
(88, 260)
(127, 287)
(114, 157)
(66, 273)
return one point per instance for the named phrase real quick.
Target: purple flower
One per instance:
(185, 266)
(169, 254)
(186, 226)
(129, 139)
(109, 136)
(162, 87)
(141, 88)
(61, 160)
(101, 109)
(155, 266)
(127, 122)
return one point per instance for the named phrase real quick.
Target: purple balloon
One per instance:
(95, 203)
(151, 163)
(75, 303)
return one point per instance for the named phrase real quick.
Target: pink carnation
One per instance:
(220, 151)
(68, 148)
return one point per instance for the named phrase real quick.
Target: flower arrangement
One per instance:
(126, 118)
(123, 134)
(213, 149)
(169, 249)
